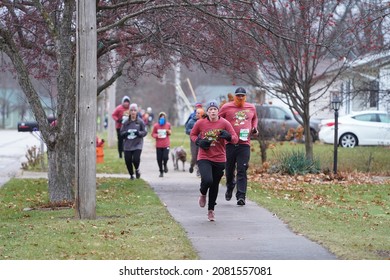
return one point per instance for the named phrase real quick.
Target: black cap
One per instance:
(240, 90)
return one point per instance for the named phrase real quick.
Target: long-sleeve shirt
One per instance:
(243, 119)
(117, 115)
(161, 134)
(204, 128)
(133, 142)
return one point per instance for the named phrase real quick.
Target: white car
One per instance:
(361, 128)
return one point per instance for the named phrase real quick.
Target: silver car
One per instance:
(276, 121)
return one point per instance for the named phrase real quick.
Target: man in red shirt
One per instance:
(117, 115)
(211, 134)
(243, 117)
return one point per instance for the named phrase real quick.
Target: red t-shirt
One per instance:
(204, 128)
(161, 133)
(243, 119)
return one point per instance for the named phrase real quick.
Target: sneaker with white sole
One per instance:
(241, 202)
(202, 200)
(211, 216)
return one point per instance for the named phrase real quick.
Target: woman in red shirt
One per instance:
(211, 135)
(117, 115)
(161, 132)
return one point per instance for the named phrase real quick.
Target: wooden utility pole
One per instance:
(111, 93)
(86, 83)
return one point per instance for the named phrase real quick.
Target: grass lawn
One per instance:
(352, 221)
(132, 224)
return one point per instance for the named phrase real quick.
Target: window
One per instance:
(366, 118)
(373, 94)
(384, 118)
(277, 114)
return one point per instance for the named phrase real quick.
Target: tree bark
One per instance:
(61, 171)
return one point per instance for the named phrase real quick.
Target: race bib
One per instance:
(244, 134)
(161, 133)
(131, 135)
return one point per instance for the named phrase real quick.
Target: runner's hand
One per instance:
(225, 135)
(203, 143)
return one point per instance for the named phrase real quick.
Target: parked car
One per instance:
(275, 122)
(361, 128)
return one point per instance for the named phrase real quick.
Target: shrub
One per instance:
(34, 158)
(295, 162)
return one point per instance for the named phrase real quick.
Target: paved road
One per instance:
(13, 148)
(239, 233)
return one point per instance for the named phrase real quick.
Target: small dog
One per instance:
(178, 153)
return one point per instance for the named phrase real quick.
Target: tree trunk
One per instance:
(61, 170)
(308, 142)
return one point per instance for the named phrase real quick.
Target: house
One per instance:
(363, 85)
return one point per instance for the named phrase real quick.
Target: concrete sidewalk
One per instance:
(239, 233)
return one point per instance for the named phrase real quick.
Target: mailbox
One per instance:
(28, 126)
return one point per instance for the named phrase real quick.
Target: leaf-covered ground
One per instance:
(289, 181)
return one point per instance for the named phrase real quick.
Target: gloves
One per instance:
(254, 130)
(225, 135)
(136, 133)
(124, 134)
(119, 121)
(203, 143)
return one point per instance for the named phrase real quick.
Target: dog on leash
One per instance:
(178, 154)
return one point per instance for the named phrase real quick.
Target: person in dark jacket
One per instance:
(133, 132)
(194, 149)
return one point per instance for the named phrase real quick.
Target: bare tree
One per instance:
(148, 36)
(288, 39)
(295, 50)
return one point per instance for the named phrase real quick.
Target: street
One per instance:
(13, 148)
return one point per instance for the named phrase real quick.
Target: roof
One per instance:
(378, 59)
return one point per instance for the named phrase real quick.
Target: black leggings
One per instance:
(211, 173)
(132, 158)
(162, 155)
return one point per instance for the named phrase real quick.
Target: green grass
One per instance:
(130, 223)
